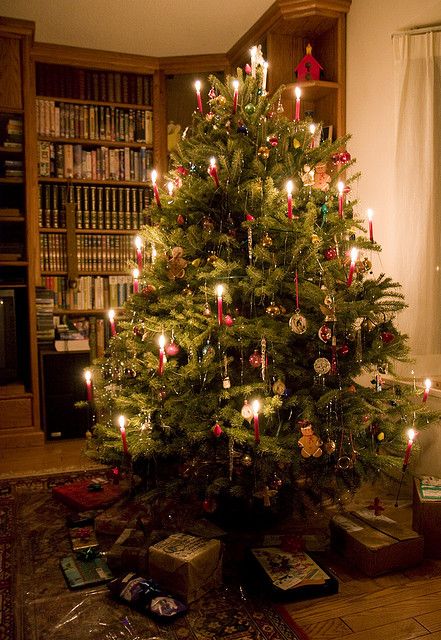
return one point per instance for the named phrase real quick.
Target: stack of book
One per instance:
(14, 134)
(44, 300)
(430, 488)
(72, 338)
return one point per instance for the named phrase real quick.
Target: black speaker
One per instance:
(62, 386)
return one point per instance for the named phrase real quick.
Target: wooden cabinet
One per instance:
(284, 32)
(19, 400)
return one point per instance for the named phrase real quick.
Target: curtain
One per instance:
(417, 210)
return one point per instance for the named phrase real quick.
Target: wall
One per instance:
(370, 119)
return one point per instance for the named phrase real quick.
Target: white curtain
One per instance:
(417, 211)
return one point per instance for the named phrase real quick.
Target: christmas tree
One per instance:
(231, 378)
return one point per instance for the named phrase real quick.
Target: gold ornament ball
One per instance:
(380, 436)
(221, 100)
(267, 241)
(263, 152)
(212, 258)
(330, 446)
(247, 460)
(315, 239)
(273, 310)
(207, 310)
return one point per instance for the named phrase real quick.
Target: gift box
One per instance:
(288, 574)
(87, 495)
(375, 544)
(125, 514)
(185, 565)
(426, 514)
(130, 553)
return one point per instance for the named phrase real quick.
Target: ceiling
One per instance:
(145, 27)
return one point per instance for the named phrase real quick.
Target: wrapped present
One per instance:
(375, 544)
(125, 514)
(130, 552)
(289, 574)
(187, 566)
(426, 513)
(85, 495)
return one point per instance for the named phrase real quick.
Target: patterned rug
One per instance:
(33, 538)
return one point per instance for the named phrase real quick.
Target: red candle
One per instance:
(155, 187)
(411, 437)
(219, 291)
(235, 95)
(122, 428)
(427, 385)
(341, 188)
(161, 354)
(213, 171)
(256, 407)
(370, 215)
(298, 93)
(111, 315)
(138, 245)
(289, 192)
(197, 85)
(135, 280)
(88, 377)
(354, 256)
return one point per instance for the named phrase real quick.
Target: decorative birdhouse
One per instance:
(308, 67)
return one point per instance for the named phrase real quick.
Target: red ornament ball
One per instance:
(273, 141)
(228, 321)
(217, 430)
(345, 157)
(138, 331)
(209, 505)
(148, 290)
(247, 69)
(343, 350)
(180, 219)
(172, 349)
(387, 337)
(330, 253)
(255, 359)
(182, 170)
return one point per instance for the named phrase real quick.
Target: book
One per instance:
(72, 345)
(81, 573)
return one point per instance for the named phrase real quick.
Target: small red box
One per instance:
(79, 496)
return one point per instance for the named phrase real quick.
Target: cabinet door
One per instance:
(10, 74)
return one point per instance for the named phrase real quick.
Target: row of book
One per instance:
(108, 208)
(11, 133)
(44, 302)
(101, 86)
(91, 292)
(95, 334)
(64, 120)
(95, 252)
(104, 163)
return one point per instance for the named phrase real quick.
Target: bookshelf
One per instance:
(95, 154)
(19, 397)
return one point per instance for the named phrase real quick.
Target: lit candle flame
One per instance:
(298, 92)
(370, 214)
(138, 243)
(197, 85)
(162, 341)
(122, 422)
(289, 187)
(135, 274)
(256, 406)
(111, 314)
(170, 187)
(88, 376)
(340, 187)
(354, 255)
(154, 176)
(219, 290)
(411, 434)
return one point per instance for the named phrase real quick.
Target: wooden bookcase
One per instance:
(19, 398)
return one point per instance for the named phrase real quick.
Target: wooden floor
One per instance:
(397, 606)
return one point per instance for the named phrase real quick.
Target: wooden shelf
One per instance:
(11, 150)
(96, 142)
(121, 232)
(98, 103)
(14, 263)
(13, 219)
(13, 180)
(13, 285)
(113, 183)
(313, 90)
(87, 273)
(83, 312)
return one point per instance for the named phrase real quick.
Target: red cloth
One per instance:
(78, 497)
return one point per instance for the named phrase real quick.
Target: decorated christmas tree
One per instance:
(231, 376)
